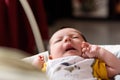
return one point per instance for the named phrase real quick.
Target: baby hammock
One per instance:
(36, 32)
(34, 25)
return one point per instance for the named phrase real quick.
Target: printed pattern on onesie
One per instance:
(70, 68)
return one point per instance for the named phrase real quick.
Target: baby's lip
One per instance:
(70, 48)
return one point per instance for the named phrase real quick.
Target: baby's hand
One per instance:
(39, 62)
(89, 51)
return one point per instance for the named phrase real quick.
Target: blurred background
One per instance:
(98, 20)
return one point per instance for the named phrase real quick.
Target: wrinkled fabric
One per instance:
(70, 68)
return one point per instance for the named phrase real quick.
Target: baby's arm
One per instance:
(94, 51)
(39, 62)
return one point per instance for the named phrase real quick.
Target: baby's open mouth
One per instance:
(70, 48)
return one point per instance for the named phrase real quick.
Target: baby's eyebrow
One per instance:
(77, 32)
(56, 38)
(59, 37)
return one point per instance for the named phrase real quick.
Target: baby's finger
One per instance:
(85, 44)
(83, 50)
(88, 49)
(84, 55)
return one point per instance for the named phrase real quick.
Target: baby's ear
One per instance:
(50, 57)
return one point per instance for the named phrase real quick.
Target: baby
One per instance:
(72, 58)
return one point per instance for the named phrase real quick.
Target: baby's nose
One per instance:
(67, 38)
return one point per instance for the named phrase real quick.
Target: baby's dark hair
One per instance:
(63, 27)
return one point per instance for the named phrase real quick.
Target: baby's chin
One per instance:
(71, 54)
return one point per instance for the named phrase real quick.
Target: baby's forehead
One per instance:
(65, 31)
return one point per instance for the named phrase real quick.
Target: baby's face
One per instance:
(66, 42)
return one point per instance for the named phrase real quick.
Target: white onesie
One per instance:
(70, 68)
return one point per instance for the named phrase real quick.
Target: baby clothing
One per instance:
(76, 68)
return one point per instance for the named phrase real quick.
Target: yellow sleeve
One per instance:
(99, 70)
(44, 68)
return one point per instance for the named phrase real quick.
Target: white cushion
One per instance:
(115, 49)
(31, 58)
